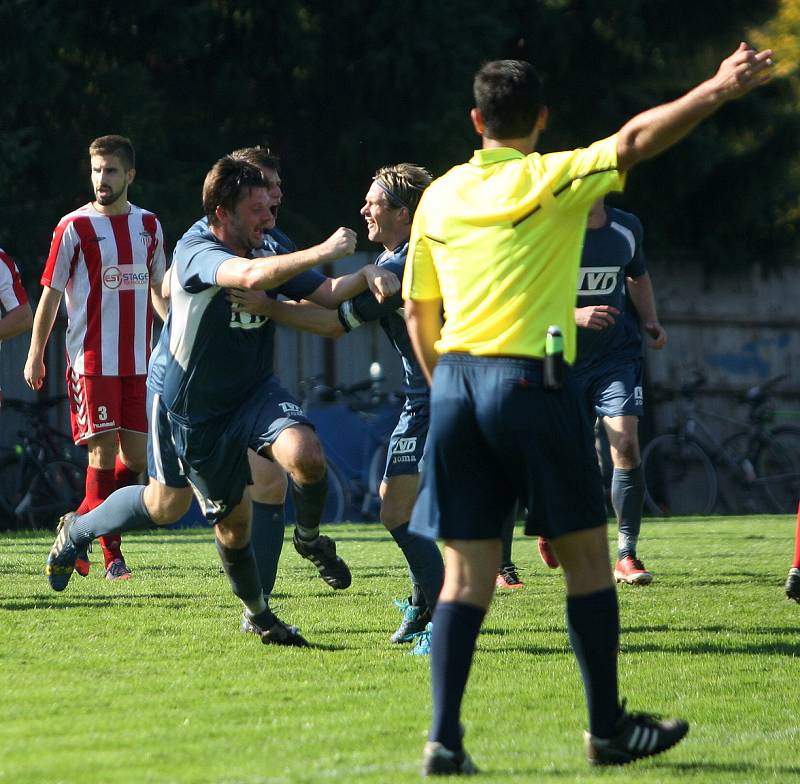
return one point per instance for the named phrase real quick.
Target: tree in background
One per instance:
(339, 89)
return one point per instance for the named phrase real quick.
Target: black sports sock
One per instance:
(507, 535)
(593, 624)
(309, 501)
(267, 539)
(424, 561)
(417, 598)
(455, 631)
(240, 566)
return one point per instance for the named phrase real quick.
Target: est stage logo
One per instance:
(126, 278)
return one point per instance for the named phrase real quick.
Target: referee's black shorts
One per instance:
(496, 435)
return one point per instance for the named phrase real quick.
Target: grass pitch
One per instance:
(151, 681)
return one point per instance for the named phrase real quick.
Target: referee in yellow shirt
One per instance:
(492, 264)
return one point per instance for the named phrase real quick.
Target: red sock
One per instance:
(100, 483)
(124, 476)
(796, 562)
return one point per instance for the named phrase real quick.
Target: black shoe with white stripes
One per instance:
(636, 735)
(322, 553)
(440, 761)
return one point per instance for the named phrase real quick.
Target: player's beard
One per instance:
(107, 199)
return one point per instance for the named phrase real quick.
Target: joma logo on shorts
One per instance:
(405, 445)
(596, 281)
(291, 408)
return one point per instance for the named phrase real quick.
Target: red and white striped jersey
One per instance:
(12, 294)
(105, 265)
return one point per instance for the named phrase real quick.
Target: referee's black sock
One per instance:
(593, 625)
(424, 563)
(455, 631)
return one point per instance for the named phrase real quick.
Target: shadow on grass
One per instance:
(321, 646)
(715, 649)
(774, 648)
(716, 629)
(761, 772)
(24, 604)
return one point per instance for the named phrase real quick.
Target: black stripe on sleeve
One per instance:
(557, 193)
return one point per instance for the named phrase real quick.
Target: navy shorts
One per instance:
(162, 459)
(496, 435)
(407, 442)
(613, 388)
(213, 455)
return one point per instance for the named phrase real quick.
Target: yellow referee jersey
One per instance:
(499, 240)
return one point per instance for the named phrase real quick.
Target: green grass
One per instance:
(150, 680)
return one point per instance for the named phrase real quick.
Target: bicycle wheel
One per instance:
(679, 477)
(53, 492)
(772, 487)
(788, 436)
(337, 502)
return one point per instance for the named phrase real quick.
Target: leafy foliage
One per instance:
(340, 89)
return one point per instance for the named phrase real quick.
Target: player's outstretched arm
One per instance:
(43, 321)
(269, 272)
(382, 282)
(653, 131)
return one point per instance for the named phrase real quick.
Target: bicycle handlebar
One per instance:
(757, 394)
(690, 387)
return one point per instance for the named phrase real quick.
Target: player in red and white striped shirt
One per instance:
(107, 261)
(17, 316)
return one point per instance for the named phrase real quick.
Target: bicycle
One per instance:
(689, 472)
(356, 460)
(41, 477)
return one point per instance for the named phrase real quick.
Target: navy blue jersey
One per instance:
(389, 314)
(610, 254)
(214, 356)
(274, 240)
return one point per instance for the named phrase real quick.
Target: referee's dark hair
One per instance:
(509, 95)
(225, 184)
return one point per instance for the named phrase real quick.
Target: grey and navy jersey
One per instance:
(389, 314)
(275, 243)
(213, 356)
(610, 254)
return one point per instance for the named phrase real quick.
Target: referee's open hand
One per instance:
(743, 71)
